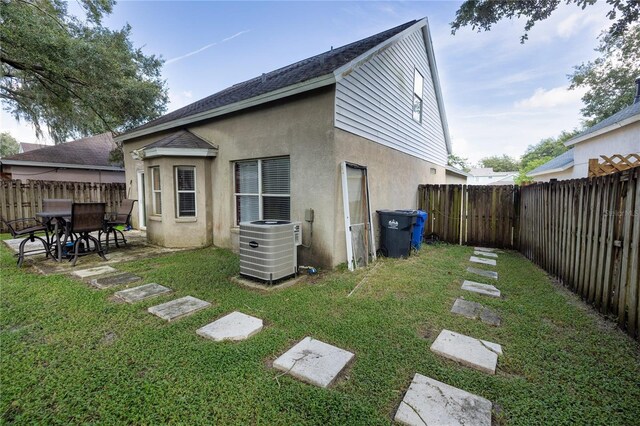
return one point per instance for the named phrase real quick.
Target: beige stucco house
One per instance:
(325, 141)
(618, 134)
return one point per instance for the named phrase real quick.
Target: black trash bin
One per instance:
(396, 229)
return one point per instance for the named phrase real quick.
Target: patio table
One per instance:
(60, 216)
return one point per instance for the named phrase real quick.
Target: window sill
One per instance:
(186, 219)
(155, 218)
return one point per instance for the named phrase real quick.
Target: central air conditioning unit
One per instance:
(268, 249)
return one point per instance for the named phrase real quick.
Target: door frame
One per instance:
(142, 219)
(347, 217)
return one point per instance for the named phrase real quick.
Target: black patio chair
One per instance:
(122, 217)
(27, 228)
(55, 205)
(86, 218)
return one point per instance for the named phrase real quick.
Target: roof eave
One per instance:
(284, 92)
(604, 130)
(60, 165)
(178, 152)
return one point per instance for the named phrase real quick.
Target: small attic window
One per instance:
(418, 86)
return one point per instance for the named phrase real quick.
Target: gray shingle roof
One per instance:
(628, 112)
(89, 151)
(180, 139)
(307, 69)
(26, 146)
(560, 162)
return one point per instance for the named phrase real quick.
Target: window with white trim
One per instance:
(418, 87)
(262, 189)
(156, 194)
(185, 191)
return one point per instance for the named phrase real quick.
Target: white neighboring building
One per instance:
(486, 176)
(618, 134)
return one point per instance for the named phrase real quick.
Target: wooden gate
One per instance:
(470, 214)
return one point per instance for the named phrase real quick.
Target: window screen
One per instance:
(418, 87)
(262, 189)
(186, 191)
(156, 194)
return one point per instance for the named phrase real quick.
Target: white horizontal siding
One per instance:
(374, 101)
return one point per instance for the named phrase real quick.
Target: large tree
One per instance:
(72, 75)
(482, 14)
(500, 163)
(540, 153)
(8, 145)
(458, 162)
(609, 79)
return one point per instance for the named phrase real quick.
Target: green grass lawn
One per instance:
(70, 354)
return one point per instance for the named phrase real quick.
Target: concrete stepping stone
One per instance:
(314, 362)
(114, 280)
(469, 351)
(147, 291)
(482, 272)
(473, 310)
(178, 308)
(91, 272)
(430, 402)
(485, 289)
(482, 260)
(485, 254)
(235, 326)
(487, 249)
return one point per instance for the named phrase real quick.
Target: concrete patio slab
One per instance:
(314, 362)
(486, 254)
(114, 280)
(235, 326)
(475, 353)
(92, 272)
(473, 310)
(487, 249)
(178, 308)
(147, 291)
(482, 272)
(485, 289)
(137, 248)
(482, 260)
(430, 402)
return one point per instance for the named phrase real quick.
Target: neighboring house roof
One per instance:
(181, 143)
(26, 147)
(311, 73)
(457, 171)
(488, 171)
(558, 164)
(622, 118)
(87, 153)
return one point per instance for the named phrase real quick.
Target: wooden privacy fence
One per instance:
(19, 199)
(586, 232)
(470, 214)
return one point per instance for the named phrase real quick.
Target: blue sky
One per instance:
(500, 95)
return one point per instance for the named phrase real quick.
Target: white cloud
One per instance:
(558, 96)
(178, 99)
(205, 47)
